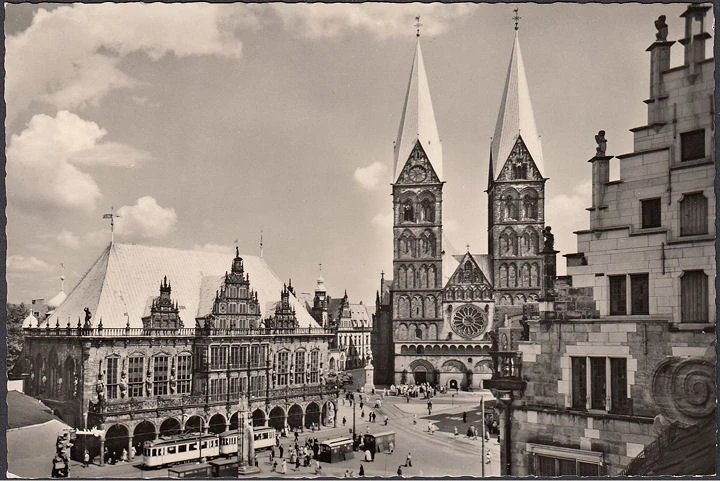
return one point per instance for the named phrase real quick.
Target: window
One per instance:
(218, 356)
(234, 356)
(607, 389)
(618, 295)
(160, 375)
(650, 213)
(639, 294)
(579, 383)
(184, 373)
(243, 356)
(618, 388)
(234, 385)
(136, 370)
(283, 365)
(597, 383)
(694, 296)
(693, 214)
(692, 145)
(299, 367)
(408, 211)
(314, 366)
(549, 461)
(111, 377)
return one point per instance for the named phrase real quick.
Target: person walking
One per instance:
(391, 447)
(297, 463)
(283, 469)
(408, 460)
(456, 431)
(464, 417)
(317, 467)
(86, 459)
(362, 471)
(429, 406)
(386, 420)
(399, 471)
(487, 457)
(414, 418)
(344, 421)
(281, 451)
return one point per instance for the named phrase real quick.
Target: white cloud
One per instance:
(383, 220)
(68, 239)
(42, 160)
(18, 264)
(213, 247)
(372, 176)
(145, 219)
(383, 20)
(70, 56)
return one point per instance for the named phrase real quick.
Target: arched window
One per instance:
(530, 204)
(534, 275)
(429, 306)
(418, 333)
(404, 307)
(416, 308)
(402, 332)
(411, 278)
(525, 276)
(408, 211)
(511, 207)
(423, 277)
(512, 276)
(402, 277)
(427, 211)
(431, 277)
(503, 276)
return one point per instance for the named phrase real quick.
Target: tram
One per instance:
(264, 439)
(179, 449)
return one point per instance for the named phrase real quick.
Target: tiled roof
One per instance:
(418, 121)
(125, 276)
(515, 117)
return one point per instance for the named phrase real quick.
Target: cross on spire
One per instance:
(516, 18)
(112, 217)
(417, 26)
(468, 247)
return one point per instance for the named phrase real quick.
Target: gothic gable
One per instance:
(468, 273)
(519, 164)
(418, 169)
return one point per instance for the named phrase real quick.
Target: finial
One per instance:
(517, 18)
(112, 217)
(468, 247)
(237, 250)
(417, 26)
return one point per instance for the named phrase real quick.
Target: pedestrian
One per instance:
(86, 459)
(272, 453)
(399, 471)
(274, 467)
(362, 471)
(474, 433)
(280, 451)
(283, 470)
(386, 420)
(124, 456)
(414, 418)
(361, 403)
(464, 417)
(296, 435)
(317, 467)
(297, 463)
(362, 414)
(391, 447)
(344, 421)
(487, 457)
(456, 431)
(347, 473)
(429, 406)
(408, 460)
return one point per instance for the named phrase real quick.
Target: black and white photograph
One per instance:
(345, 240)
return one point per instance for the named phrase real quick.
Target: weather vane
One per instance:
(112, 217)
(417, 26)
(517, 18)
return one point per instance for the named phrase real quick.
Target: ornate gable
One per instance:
(468, 273)
(418, 169)
(519, 164)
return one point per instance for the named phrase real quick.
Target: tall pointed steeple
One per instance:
(516, 116)
(418, 120)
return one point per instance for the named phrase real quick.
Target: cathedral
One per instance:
(436, 318)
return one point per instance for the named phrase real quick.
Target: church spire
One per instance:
(516, 116)
(417, 122)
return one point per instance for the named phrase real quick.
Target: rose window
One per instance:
(468, 321)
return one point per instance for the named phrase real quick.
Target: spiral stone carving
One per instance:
(684, 389)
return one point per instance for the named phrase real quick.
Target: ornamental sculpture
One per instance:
(662, 29)
(601, 144)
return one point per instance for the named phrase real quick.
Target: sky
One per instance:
(207, 124)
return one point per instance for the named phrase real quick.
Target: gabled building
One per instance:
(619, 377)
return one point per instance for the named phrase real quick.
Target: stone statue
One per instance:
(100, 388)
(549, 239)
(148, 383)
(88, 316)
(249, 443)
(601, 144)
(662, 29)
(173, 381)
(123, 384)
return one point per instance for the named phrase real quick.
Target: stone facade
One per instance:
(623, 362)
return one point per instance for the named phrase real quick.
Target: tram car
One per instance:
(180, 449)
(264, 439)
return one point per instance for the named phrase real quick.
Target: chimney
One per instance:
(659, 63)
(695, 35)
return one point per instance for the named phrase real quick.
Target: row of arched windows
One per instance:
(413, 331)
(424, 277)
(527, 276)
(517, 206)
(418, 209)
(418, 307)
(512, 244)
(468, 293)
(519, 299)
(422, 247)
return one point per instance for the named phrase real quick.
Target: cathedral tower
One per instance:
(516, 191)
(417, 225)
